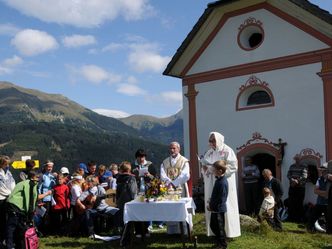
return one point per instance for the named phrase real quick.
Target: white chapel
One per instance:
(260, 73)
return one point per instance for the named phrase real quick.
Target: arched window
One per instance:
(258, 98)
(254, 94)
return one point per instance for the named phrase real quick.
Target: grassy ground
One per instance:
(294, 236)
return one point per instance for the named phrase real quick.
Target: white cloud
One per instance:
(168, 98)
(172, 96)
(113, 47)
(8, 29)
(94, 74)
(145, 57)
(134, 39)
(8, 65)
(112, 113)
(114, 78)
(82, 13)
(131, 80)
(12, 62)
(4, 70)
(167, 23)
(130, 90)
(31, 42)
(75, 41)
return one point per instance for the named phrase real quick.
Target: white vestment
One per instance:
(232, 217)
(181, 179)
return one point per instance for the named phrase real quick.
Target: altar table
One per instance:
(175, 211)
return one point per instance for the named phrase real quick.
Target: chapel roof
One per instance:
(304, 4)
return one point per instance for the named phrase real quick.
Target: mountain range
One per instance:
(164, 130)
(51, 126)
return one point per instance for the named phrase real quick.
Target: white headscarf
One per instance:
(219, 140)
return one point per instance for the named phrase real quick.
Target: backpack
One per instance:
(31, 238)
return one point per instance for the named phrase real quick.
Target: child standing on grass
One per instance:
(62, 204)
(266, 211)
(217, 204)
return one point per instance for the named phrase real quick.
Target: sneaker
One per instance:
(161, 226)
(150, 228)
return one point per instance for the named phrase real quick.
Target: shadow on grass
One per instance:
(295, 231)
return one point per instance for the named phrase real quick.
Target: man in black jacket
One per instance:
(274, 184)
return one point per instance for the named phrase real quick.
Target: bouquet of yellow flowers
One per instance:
(155, 188)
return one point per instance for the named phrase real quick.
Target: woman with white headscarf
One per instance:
(220, 151)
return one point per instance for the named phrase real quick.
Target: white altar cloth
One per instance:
(179, 211)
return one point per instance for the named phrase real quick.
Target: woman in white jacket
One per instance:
(220, 151)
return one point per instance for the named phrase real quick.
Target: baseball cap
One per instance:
(64, 170)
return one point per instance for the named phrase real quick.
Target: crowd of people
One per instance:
(292, 208)
(65, 202)
(56, 201)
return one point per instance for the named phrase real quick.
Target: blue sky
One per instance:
(103, 54)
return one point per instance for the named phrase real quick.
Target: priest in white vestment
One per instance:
(220, 151)
(175, 170)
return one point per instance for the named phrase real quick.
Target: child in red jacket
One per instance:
(61, 203)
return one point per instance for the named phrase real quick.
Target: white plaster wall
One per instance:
(281, 39)
(297, 117)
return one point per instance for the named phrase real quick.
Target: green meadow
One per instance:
(294, 236)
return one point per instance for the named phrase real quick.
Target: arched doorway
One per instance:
(264, 153)
(264, 161)
(312, 159)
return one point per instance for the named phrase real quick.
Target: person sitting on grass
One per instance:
(104, 176)
(217, 203)
(92, 203)
(266, 211)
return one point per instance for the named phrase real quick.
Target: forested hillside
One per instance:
(50, 126)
